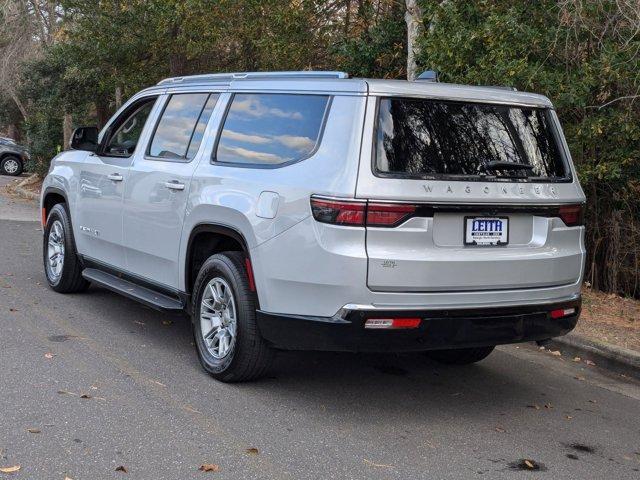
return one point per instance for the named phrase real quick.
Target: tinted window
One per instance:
(183, 117)
(427, 138)
(271, 129)
(128, 130)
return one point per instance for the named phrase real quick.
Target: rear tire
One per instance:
(229, 345)
(62, 266)
(11, 165)
(460, 356)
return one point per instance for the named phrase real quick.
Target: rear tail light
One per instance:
(388, 214)
(392, 323)
(339, 212)
(359, 214)
(571, 215)
(562, 312)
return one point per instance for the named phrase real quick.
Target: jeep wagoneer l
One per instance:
(310, 210)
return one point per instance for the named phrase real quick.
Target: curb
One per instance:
(617, 359)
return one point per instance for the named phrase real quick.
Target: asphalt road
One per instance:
(153, 410)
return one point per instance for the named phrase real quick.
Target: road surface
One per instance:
(107, 383)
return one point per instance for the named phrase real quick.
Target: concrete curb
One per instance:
(617, 359)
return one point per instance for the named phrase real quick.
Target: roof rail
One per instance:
(228, 77)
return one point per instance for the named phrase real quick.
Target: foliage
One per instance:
(584, 56)
(81, 57)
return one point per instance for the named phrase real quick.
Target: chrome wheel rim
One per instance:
(11, 166)
(218, 318)
(55, 251)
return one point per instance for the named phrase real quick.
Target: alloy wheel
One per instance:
(218, 318)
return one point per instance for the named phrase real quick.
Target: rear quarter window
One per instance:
(431, 139)
(271, 129)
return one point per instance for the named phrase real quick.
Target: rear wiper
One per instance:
(497, 165)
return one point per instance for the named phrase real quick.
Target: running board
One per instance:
(131, 290)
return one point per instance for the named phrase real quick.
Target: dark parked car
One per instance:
(12, 157)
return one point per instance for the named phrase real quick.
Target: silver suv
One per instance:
(308, 210)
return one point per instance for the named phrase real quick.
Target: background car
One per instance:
(13, 157)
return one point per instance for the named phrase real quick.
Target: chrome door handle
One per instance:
(174, 185)
(116, 177)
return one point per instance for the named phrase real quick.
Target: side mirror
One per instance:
(84, 138)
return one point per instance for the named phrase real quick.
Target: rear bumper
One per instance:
(440, 329)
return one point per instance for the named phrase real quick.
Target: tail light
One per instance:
(359, 214)
(339, 212)
(388, 214)
(571, 215)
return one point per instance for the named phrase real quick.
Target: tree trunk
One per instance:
(413, 19)
(67, 130)
(118, 97)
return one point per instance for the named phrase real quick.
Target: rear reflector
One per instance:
(562, 312)
(571, 215)
(392, 323)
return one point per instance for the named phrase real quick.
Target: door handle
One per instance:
(174, 185)
(116, 177)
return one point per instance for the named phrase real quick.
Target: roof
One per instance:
(339, 83)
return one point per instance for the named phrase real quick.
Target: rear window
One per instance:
(420, 138)
(271, 129)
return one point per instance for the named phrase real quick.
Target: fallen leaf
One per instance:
(167, 322)
(209, 467)
(578, 377)
(548, 406)
(68, 478)
(589, 362)
(64, 392)
(13, 310)
(534, 406)
(377, 465)
(555, 353)
(577, 359)
(500, 429)
(529, 464)
(122, 469)
(49, 355)
(85, 396)
(252, 451)
(34, 430)
(10, 469)
(568, 417)
(593, 401)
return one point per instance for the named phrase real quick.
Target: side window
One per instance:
(127, 132)
(181, 126)
(271, 129)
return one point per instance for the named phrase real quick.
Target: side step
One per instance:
(149, 297)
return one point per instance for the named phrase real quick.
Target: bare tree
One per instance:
(413, 19)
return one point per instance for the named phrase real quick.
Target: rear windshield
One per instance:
(420, 138)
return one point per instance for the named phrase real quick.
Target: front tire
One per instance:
(62, 267)
(228, 342)
(460, 356)
(11, 165)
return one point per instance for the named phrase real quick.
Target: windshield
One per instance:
(421, 138)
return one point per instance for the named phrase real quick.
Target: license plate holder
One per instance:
(486, 231)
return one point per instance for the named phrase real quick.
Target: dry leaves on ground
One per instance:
(122, 469)
(34, 430)
(13, 469)
(209, 467)
(49, 355)
(252, 451)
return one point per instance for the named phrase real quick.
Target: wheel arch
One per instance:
(51, 197)
(206, 239)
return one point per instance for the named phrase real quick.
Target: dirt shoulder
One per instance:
(610, 318)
